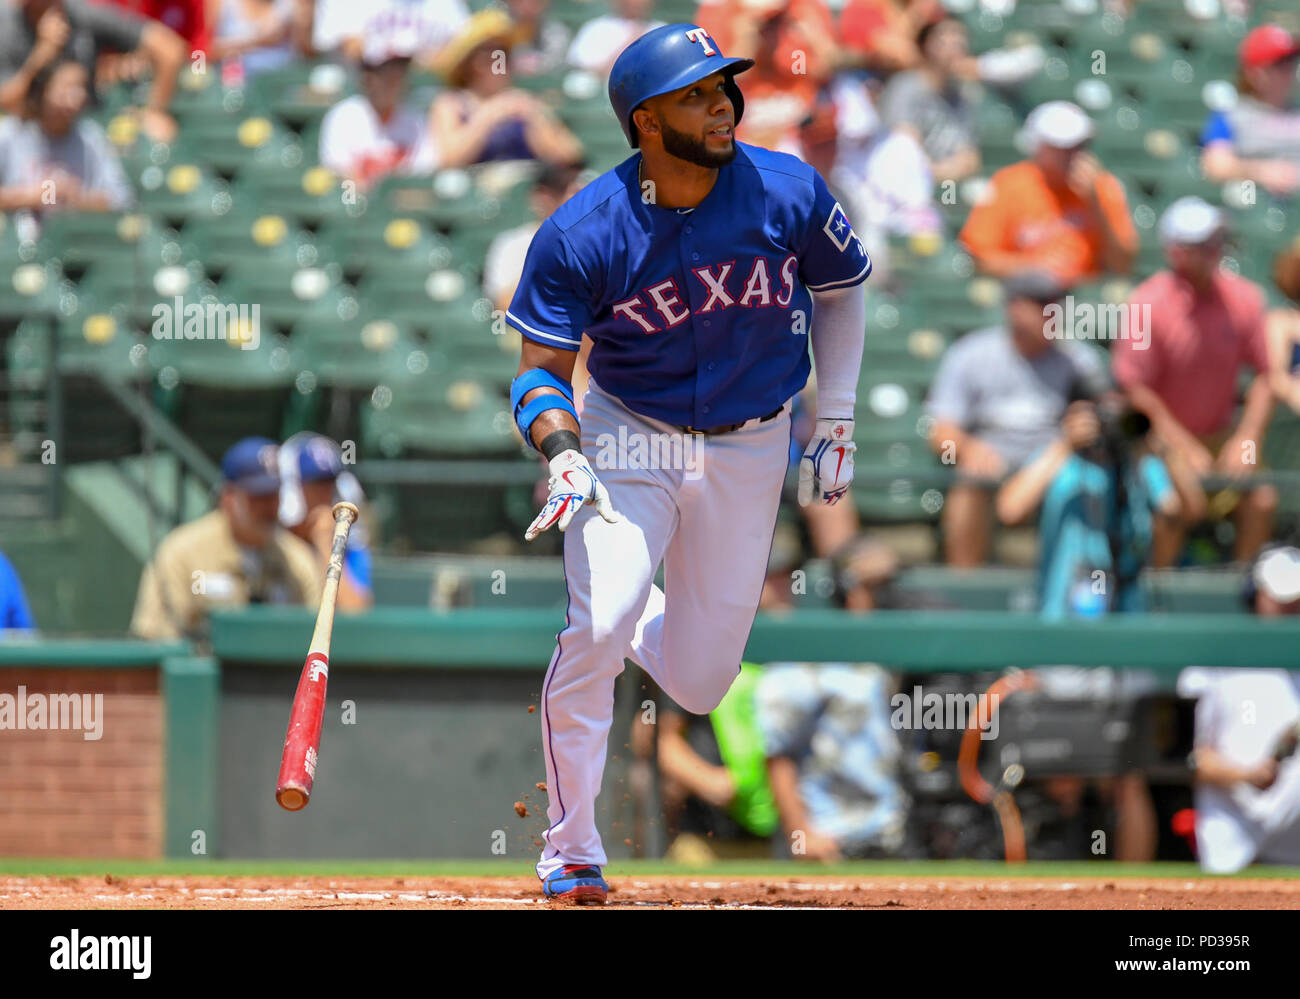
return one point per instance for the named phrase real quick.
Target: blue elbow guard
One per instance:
(526, 413)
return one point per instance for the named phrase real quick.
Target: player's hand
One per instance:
(827, 462)
(1195, 455)
(1083, 172)
(978, 459)
(1232, 458)
(52, 31)
(820, 847)
(572, 483)
(1279, 177)
(1081, 426)
(157, 125)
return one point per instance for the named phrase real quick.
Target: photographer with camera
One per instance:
(1102, 485)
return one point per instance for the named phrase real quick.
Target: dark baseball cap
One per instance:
(319, 460)
(253, 465)
(1037, 286)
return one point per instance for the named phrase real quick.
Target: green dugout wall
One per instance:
(438, 744)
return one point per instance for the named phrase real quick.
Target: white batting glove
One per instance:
(827, 462)
(572, 484)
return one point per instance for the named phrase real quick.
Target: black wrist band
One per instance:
(559, 440)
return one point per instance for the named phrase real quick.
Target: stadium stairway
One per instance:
(81, 569)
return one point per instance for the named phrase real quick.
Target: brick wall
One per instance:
(62, 795)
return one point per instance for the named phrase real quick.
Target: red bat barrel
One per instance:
(302, 740)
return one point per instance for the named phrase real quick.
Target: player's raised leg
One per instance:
(717, 559)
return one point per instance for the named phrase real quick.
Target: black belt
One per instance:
(710, 431)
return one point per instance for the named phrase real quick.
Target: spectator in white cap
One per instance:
(1059, 210)
(313, 478)
(1247, 723)
(1257, 140)
(373, 134)
(1203, 325)
(343, 26)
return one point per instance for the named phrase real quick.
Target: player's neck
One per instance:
(676, 182)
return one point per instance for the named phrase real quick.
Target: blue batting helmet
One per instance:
(665, 60)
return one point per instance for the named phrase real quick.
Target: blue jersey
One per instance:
(697, 317)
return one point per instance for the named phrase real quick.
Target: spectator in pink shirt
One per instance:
(1205, 324)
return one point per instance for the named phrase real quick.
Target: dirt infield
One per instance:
(645, 892)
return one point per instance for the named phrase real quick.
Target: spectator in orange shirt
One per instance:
(793, 46)
(1059, 210)
(1205, 325)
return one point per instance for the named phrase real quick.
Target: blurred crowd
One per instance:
(1116, 455)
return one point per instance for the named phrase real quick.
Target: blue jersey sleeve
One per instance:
(1216, 129)
(549, 305)
(832, 256)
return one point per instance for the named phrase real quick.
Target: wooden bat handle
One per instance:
(344, 516)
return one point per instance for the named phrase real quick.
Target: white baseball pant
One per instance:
(709, 520)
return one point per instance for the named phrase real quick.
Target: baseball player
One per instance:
(701, 268)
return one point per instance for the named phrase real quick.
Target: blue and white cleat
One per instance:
(579, 884)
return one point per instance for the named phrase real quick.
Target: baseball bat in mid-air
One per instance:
(302, 740)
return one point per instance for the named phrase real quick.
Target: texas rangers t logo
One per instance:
(702, 36)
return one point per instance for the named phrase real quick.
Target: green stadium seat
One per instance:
(132, 287)
(1056, 81)
(443, 304)
(577, 12)
(80, 239)
(301, 93)
(431, 415)
(247, 236)
(447, 201)
(30, 285)
(284, 290)
(230, 144)
(1041, 18)
(182, 193)
(309, 195)
(393, 245)
(197, 93)
(91, 345)
(218, 392)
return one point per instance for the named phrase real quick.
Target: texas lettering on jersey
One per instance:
(754, 290)
(695, 317)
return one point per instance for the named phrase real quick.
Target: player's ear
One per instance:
(645, 121)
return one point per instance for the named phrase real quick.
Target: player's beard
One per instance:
(692, 149)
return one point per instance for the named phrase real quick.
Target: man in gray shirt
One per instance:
(934, 105)
(59, 160)
(34, 34)
(998, 397)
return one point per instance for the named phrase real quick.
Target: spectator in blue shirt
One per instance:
(14, 612)
(314, 478)
(1258, 138)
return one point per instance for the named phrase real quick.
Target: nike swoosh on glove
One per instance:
(827, 463)
(572, 483)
